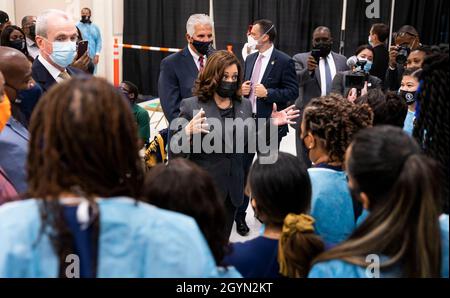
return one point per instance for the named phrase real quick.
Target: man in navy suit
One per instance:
(179, 71)
(269, 78)
(56, 37)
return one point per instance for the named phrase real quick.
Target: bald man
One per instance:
(56, 37)
(14, 138)
(315, 76)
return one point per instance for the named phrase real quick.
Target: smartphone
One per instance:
(82, 48)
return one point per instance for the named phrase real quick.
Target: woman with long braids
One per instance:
(405, 234)
(432, 127)
(83, 173)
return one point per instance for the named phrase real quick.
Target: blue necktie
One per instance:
(328, 77)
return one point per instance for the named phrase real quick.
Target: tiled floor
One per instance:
(287, 145)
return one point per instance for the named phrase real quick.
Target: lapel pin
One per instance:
(273, 62)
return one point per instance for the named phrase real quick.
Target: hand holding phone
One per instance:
(82, 48)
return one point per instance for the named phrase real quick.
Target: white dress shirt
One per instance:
(196, 57)
(332, 65)
(33, 49)
(265, 61)
(54, 72)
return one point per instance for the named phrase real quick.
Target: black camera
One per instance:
(358, 78)
(403, 53)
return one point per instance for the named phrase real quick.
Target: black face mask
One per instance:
(408, 97)
(324, 48)
(227, 89)
(201, 47)
(85, 19)
(32, 32)
(18, 44)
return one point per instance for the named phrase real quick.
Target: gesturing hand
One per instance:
(197, 124)
(285, 116)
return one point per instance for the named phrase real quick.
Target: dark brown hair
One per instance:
(212, 75)
(334, 121)
(184, 187)
(381, 30)
(404, 194)
(83, 141)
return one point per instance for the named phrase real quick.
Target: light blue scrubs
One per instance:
(331, 205)
(342, 269)
(135, 241)
(92, 34)
(409, 122)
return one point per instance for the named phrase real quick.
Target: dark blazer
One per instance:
(177, 76)
(227, 169)
(41, 75)
(310, 86)
(339, 83)
(280, 81)
(380, 62)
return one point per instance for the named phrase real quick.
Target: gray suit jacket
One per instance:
(227, 169)
(309, 85)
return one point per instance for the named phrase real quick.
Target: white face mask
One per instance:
(251, 42)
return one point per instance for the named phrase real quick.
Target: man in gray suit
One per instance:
(315, 73)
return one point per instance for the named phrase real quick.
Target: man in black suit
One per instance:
(379, 33)
(269, 78)
(179, 71)
(56, 37)
(315, 76)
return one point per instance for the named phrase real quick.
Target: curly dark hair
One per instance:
(212, 75)
(388, 108)
(335, 121)
(191, 191)
(5, 42)
(432, 129)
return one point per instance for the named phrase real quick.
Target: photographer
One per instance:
(358, 80)
(406, 41)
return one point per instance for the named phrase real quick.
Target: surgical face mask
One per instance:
(408, 96)
(227, 89)
(201, 46)
(253, 43)
(5, 112)
(368, 66)
(63, 53)
(18, 44)
(370, 41)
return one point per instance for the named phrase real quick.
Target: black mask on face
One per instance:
(408, 97)
(32, 33)
(85, 19)
(324, 48)
(18, 44)
(201, 46)
(227, 89)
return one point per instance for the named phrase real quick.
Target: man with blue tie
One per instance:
(269, 78)
(315, 73)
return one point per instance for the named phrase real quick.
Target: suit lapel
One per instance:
(269, 68)
(43, 77)
(251, 64)
(189, 60)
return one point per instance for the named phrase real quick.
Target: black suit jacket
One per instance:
(41, 75)
(279, 79)
(177, 76)
(226, 169)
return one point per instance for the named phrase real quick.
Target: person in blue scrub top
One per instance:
(404, 234)
(278, 190)
(328, 126)
(184, 187)
(83, 218)
(92, 34)
(408, 89)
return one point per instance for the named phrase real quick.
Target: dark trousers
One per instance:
(230, 213)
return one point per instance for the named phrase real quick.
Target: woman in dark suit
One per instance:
(364, 52)
(206, 136)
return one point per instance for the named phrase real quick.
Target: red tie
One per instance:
(200, 60)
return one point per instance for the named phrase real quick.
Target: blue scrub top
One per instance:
(136, 240)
